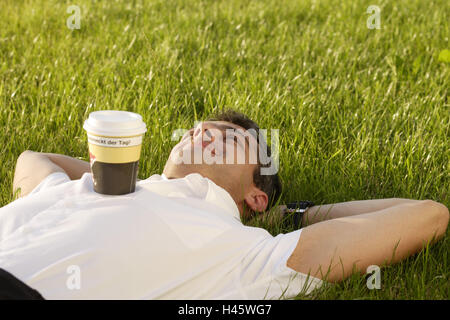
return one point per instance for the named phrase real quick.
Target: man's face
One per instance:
(219, 150)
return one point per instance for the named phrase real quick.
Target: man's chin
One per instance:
(182, 170)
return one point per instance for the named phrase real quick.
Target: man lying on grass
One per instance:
(180, 235)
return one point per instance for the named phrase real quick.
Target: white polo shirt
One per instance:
(170, 239)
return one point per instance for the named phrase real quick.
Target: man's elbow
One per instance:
(19, 164)
(440, 214)
(442, 209)
(23, 173)
(18, 177)
(23, 155)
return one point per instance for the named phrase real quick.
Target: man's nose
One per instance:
(204, 134)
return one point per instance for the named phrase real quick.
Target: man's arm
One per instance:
(387, 235)
(32, 167)
(345, 209)
(336, 210)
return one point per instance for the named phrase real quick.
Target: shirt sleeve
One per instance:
(265, 274)
(51, 180)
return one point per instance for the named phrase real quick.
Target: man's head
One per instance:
(224, 149)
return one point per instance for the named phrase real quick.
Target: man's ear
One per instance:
(256, 199)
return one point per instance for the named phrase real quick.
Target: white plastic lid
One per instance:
(114, 123)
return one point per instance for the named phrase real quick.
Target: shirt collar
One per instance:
(222, 198)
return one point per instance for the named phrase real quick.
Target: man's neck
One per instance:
(179, 175)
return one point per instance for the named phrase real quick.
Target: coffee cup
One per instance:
(115, 142)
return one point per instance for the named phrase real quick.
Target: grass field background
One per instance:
(362, 113)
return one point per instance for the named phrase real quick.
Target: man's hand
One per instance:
(32, 167)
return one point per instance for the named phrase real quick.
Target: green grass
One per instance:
(362, 113)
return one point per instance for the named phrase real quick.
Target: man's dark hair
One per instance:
(270, 184)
